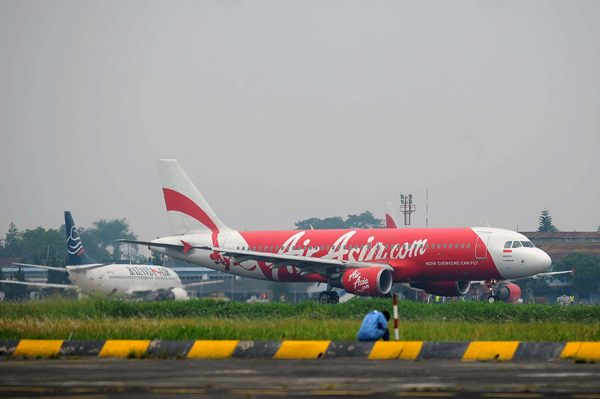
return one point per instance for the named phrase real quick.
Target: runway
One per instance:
(96, 378)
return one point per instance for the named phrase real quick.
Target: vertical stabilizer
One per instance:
(390, 216)
(75, 249)
(188, 211)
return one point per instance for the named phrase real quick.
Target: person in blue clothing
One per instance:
(374, 326)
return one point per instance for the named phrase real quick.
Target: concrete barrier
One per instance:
(409, 350)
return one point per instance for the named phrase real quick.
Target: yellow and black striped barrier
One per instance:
(409, 350)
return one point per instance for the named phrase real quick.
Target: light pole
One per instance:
(407, 207)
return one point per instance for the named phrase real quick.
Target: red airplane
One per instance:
(365, 262)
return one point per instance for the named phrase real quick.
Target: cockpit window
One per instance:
(517, 244)
(527, 244)
(507, 244)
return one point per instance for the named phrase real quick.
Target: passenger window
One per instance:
(277, 248)
(468, 246)
(450, 246)
(445, 246)
(270, 248)
(456, 246)
(507, 244)
(260, 248)
(439, 246)
(462, 246)
(327, 247)
(254, 248)
(322, 247)
(517, 244)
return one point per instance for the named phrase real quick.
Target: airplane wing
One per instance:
(151, 244)
(572, 271)
(307, 265)
(535, 277)
(58, 269)
(45, 285)
(203, 283)
(62, 269)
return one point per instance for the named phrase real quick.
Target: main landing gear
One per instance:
(329, 297)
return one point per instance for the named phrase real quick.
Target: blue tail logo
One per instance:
(75, 249)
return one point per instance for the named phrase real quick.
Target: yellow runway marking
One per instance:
(38, 347)
(212, 349)
(501, 350)
(438, 394)
(123, 347)
(301, 350)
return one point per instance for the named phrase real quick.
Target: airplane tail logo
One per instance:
(390, 217)
(187, 209)
(75, 249)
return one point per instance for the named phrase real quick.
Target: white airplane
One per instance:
(146, 282)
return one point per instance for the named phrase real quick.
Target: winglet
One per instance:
(186, 247)
(572, 271)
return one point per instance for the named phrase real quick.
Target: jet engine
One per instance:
(509, 293)
(179, 294)
(368, 281)
(444, 288)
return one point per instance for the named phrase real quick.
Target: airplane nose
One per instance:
(542, 261)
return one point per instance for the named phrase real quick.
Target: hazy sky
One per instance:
(284, 110)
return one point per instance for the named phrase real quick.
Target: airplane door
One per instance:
(481, 251)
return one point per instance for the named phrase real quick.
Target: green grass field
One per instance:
(99, 319)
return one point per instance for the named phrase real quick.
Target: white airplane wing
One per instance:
(572, 271)
(203, 283)
(45, 285)
(58, 269)
(62, 269)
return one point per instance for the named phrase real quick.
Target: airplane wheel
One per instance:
(492, 299)
(324, 297)
(334, 297)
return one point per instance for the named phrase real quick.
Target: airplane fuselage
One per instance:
(442, 254)
(123, 280)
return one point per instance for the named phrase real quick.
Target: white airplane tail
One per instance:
(390, 216)
(188, 211)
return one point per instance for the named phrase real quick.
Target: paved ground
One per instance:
(96, 378)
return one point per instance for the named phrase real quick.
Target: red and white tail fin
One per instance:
(390, 217)
(188, 211)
